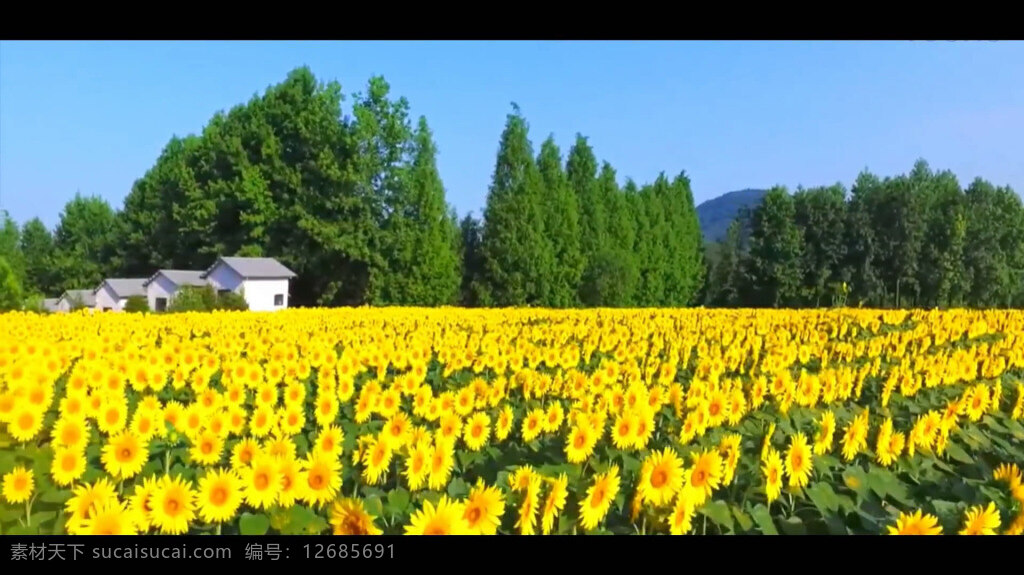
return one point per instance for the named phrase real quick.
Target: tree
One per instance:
(820, 215)
(610, 279)
(136, 304)
(36, 245)
(84, 243)
(473, 290)
(561, 222)
(420, 262)
(517, 258)
(773, 262)
(724, 277)
(685, 272)
(11, 292)
(581, 173)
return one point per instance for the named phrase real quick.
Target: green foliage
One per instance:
(136, 304)
(84, 243)
(231, 301)
(11, 292)
(561, 223)
(193, 298)
(773, 265)
(610, 279)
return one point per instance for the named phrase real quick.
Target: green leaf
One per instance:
(958, 454)
(23, 530)
(52, 496)
(823, 497)
(398, 501)
(746, 523)
(718, 512)
(458, 488)
(763, 517)
(793, 526)
(42, 517)
(251, 524)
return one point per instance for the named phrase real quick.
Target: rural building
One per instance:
(50, 303)
(76, 297)
(113, 293)
(263, 282)
(161, 286)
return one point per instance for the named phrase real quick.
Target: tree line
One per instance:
(914, 240)
(351, 199)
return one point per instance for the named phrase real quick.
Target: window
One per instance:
(223, 291)
(279, 299)
(161, 304)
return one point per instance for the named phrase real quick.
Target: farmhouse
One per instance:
(50, 303)
(76, 298)
(263, 282)
(113, 293)
(161, 286)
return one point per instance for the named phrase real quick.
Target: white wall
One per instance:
(260, 294)
(64, 305)
(222, 277)
(105, 298)
(160, 287)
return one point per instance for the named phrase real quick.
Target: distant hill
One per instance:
(715, 215)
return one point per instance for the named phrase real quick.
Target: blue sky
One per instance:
(94, 116)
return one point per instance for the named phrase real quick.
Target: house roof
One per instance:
(87, 296)
(254, 268)
(125, 287)
(179, 277)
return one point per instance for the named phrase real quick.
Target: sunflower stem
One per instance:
(28, 511)
(218, 530)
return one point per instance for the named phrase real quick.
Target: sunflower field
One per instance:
(457, 421)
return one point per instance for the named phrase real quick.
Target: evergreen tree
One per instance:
(36, 245)
(561, 222)
(516, 256)
(773, 261)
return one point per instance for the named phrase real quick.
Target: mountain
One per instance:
(716, 214)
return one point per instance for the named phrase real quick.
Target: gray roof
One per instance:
(50, 303)
(125, 287)
(254, 268)
(87, 296)
(180, 277)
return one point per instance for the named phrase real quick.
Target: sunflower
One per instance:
(173, 506)
(140, 502)
(330, 441)
(477, 431)
(980, 520)
(376, 461)
(291, 481)
(599, 498)
(291, 421)
(504, 425)
(321, 477)
(624, 431)
(580, 443)
(18, 485)
(533, 425)
(349, 517)
(554, 417)
(484, 509)
(527, 520)
(729, 447)
(661, 477)
(826, 429)
(262, 482)
(442, 459)
(71, 432)
(451, 426)
(243, 453)
(681, 520)
(262, 421)
(26, 422)
(396, 430)
(84, 499)
(447, 518)
(773, 474)
(112, 517)
(279, 447)
(554, 502)
(417, 465)
(1009, 473)
(916, 523)
(219, 496)
(705, 476)
(798, 461)
(68, 465)
(124, 455)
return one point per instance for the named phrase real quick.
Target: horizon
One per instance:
(92, 117)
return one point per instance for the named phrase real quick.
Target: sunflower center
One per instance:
(112, 416)
(171, 506)
(328, 444)
(598, 497)
(26, 420)
(125, 454)
(316, 480)
(207, 448)
(218, 496)
(20, 483)
(579, 441)
(659, 478)
(473, 515)
(261, 481)
(699, 476)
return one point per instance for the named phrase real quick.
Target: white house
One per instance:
(113, 293)
(81, 297)
(161, 286)
(263, 282)
(50, 303)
